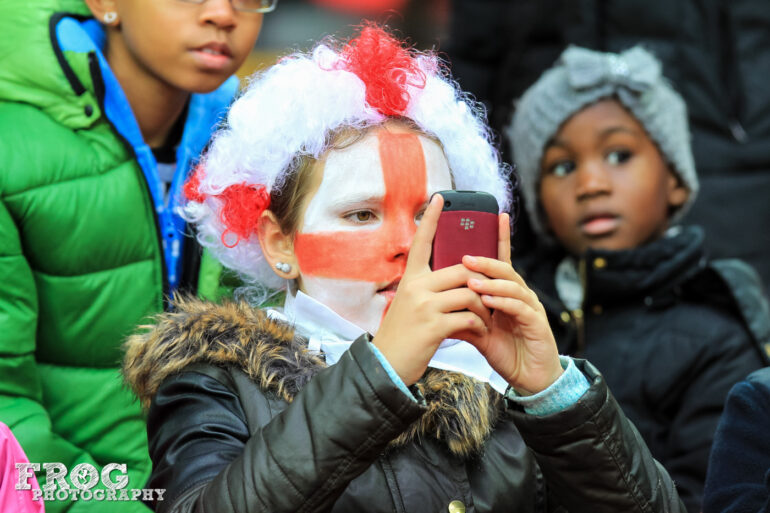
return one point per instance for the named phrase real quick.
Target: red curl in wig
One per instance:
(190, 189)
(243, 205)
(385, 66)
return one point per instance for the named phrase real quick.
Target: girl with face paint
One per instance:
(380, 384)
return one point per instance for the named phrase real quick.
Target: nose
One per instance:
(592, 180)
(219, 13)
(400, 239)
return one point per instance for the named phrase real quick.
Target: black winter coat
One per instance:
(671, 334)
(715, 52)
(243, 418)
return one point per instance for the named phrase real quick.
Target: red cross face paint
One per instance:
(359, 225)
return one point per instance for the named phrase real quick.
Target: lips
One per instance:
(391, 286)
(213, 56)
(599, 224)
(214, 48)
(389, 290)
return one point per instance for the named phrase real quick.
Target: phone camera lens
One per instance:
(447, 204)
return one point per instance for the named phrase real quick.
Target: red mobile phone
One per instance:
(467, 226)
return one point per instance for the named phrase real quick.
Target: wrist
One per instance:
(395, 359)
(563, 393)
(536, 388)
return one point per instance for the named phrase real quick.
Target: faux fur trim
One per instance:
(228, 334)
(461, 411)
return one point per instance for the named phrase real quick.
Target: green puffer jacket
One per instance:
(81, 259)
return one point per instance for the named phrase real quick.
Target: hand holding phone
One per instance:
(468, 225)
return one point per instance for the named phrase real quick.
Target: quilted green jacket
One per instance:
(82, 232)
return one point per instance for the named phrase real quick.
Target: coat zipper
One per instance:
(390, 479)
(96, 78)
(578, 313)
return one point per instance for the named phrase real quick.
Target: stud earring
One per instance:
(283, 267)
(110, 17)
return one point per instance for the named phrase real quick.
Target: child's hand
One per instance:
(519, 343)
(428, 306)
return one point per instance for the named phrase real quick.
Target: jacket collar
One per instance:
(651, 270)
(654, 270)
(30, 73)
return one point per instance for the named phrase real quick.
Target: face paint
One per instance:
(359, 225)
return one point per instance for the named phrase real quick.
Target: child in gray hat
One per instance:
(602, 148)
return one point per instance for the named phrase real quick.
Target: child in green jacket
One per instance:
(104, 108)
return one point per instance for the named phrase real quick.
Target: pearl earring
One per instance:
(283, 267)
(110, 17)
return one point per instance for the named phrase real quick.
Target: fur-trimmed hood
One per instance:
(461, 411)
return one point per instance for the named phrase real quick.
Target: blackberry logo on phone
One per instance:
(467, 223)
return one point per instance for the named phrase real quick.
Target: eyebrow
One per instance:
(358, 201)
(555, 141)
(615, 129)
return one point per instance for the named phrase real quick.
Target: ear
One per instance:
(276, 245)
(677, 192)
(102, 8)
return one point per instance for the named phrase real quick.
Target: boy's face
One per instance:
(359, 223)
(604, 184)
(189, 47)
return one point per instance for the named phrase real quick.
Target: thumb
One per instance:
(422, 244)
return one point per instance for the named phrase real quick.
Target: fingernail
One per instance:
(474, 282)
(471, 260)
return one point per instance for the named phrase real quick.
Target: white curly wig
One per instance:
(289, 111)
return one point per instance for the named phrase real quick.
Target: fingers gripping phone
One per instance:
(467, 225)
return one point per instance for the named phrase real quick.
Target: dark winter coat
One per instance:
(670, 332)
(713, 51)
(739, 469)
(244, 418)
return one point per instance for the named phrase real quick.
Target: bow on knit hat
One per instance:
(636, 69)
(580, 78)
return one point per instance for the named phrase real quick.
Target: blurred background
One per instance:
(296, 24)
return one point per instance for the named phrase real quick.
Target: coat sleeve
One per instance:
(738, 477)
(300, 460)
(593, 459)
(21, 397)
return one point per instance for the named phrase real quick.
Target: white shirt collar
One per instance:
(311, 317)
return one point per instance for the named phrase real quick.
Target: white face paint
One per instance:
(359, 225)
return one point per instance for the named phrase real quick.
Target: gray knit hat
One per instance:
(581, 77)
